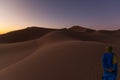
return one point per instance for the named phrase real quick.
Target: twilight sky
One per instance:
(95, 14)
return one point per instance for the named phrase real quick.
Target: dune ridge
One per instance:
(78, 32)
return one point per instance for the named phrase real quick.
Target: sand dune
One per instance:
(75, 32)
(62, 61)
(80, 29)
(12, 53)
(71, 60)
(26, 34)
(58, 55)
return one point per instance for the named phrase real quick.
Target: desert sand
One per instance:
(58, 55)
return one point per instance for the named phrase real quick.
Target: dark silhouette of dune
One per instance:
(29, 33)
(76, 32)
(80, 29)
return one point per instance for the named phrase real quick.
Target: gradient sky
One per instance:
(95, 14)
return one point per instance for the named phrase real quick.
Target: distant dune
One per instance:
(65, 54)
(29, 33)
(80, 29)
(77, 32)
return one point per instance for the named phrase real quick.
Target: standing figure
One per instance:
(110, 64)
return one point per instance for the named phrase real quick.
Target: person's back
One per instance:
(109, 61)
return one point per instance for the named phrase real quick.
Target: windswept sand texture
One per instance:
(58, 55)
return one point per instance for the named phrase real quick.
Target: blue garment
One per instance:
(107, 64)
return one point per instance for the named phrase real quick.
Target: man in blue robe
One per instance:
(110, 64)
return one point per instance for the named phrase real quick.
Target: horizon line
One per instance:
(52, 28)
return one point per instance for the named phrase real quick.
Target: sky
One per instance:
(94, 14)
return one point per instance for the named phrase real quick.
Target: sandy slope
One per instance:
(12, 53)
(59, 57)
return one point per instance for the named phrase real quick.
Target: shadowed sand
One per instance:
(58, 55)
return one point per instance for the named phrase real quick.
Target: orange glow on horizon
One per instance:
(4, 30)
